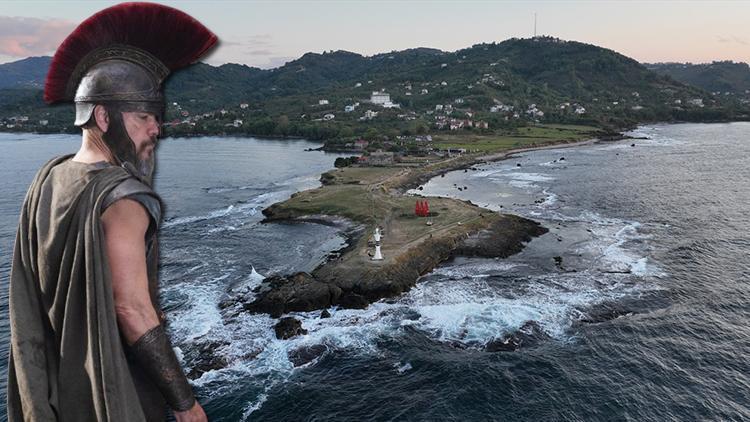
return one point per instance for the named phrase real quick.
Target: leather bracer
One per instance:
(154, 354)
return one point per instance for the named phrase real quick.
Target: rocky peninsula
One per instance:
(363, 198)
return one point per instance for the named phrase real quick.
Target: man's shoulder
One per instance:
(133, 189)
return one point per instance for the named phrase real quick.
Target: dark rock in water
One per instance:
(325, 314)
(420, 188)
(632, 145)
(305, 355)
(605, 312)
(351, 300)
(530, 334)
(558, 261)
(205, 358)
(442, 175)
(288, 327)
(503, 239)
(518, 164)
(299, 292)
(562, 159)
(465, 170)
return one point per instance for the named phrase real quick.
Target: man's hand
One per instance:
(195, 414)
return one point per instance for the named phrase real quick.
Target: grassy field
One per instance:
(370, 195)
(520, 138)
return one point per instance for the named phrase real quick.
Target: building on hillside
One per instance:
(329, 116)
(380, 158)
(244, 105)
(361, 144)
(323, 102)
(378, 97)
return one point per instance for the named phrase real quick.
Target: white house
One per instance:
(378, 97)
(322, 102)
(329, 116)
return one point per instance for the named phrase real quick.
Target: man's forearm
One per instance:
(154, 353)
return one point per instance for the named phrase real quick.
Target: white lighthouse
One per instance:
(378, 256)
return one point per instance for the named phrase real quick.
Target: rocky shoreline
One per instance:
(344, 281)
(356, 287)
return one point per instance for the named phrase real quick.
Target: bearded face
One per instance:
(131, 137)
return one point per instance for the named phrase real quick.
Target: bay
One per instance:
(633, 307)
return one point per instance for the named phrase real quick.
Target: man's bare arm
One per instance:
(125, 223)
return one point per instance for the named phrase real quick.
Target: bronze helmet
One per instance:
(119, 58)
(125, 76)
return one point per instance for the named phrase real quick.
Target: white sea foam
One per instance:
(551, 199)
(253, 406)
(531, 177)
(245, 209)
(401, 368)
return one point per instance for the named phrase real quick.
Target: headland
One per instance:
(370, 197)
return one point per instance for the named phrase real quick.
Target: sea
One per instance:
(634, 306)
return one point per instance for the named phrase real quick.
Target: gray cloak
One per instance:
(68, 361)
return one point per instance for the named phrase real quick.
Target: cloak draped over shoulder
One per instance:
(68, 361)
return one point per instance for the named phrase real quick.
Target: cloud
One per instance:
(260, 39)
(23, 37)
(259, 53)
(732, 39)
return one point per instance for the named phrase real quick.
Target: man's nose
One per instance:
(154, 129)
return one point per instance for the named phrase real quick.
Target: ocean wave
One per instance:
(246, 209)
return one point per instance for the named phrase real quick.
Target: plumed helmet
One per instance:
(119, 58)
(125, 81)
(121, 55)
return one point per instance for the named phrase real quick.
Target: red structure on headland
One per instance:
(421, 209)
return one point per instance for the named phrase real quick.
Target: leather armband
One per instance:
(154, 354)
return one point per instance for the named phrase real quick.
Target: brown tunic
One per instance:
(68, 361)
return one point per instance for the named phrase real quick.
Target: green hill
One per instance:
(508, 84)
(718, 77)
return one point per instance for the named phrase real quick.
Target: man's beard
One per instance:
(123, 148)
(146, 168)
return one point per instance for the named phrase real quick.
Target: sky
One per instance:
(267, 34)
